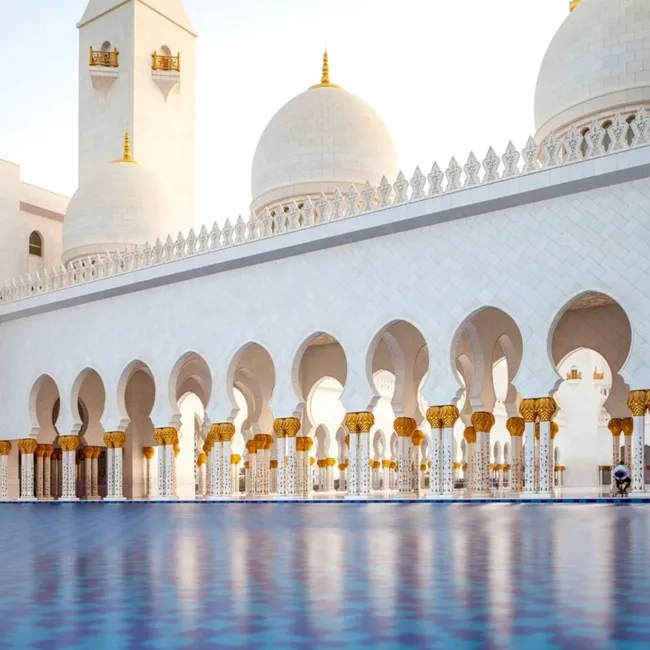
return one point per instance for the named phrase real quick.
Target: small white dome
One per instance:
(598, 64)
(322, 139)
(121, 207)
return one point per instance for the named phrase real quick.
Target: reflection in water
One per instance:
(325, 575)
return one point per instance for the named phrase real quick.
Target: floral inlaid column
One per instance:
(200, 463)
(545, 408)
(281, 456)
(416, 453)
(235, 459)
(38, 454)
(627, 425)
(637, 402)
(365, 420)
(177, 451)
(555, 429)
(27, 447)
(528, 410)
(404, 427)
(291, 429)
(88, 453)
(212, 448)
(352, 440)
(343, 485)
(516, 427)
(385, 469)
(301, 466)
(615, 427)
(435, 476)
(115, 442)
(258, 478)
(227, 431)
(273, 466)
(471, 474)
(482, 421)
(166, 438)
(448, 416)
(5, 449)
(69, 445)
(56, 473)
(148, 453)
(251, 474)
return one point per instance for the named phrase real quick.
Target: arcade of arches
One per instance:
(487, 439)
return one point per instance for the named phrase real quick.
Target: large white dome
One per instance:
(322, 139)
(122, 206)
(598, 64)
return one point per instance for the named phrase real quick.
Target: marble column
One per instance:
(227, 431)
(405, 428)
(343, 485)
(27, 447)
(352, 441)
(416, 455)
(555, 429)
(365, 420)
(471, 478)
(627, 424)
(637, 402)
(545, 408)
(148, 454)
(258, 478)
(47, 471)
(251, 474)
(528, 410)
(56, 473)
(385, 464)
(5, 449)
(69, 445)
(200, 464)
(516, 428)
(116, 441)
(448, 416)
(434, 419)
(482, 421)
(88, 453)
(615, 427)
(273, 467)
(166, 438)
(281, 456)
(291, 429)
(177, 451)
(213, 448)
(38, 454)
(235, 459)
(301, 466)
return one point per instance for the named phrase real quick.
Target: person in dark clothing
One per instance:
(622, 478)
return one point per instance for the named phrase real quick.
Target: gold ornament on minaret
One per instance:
(127, 156)
(325, 75)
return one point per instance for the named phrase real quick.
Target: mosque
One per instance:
(506, 350)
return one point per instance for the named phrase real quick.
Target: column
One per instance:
(148, 453)
(310, 475)
(331, 464)
(95, 471)
(615, 427)
(435, 476)
(301, 477)
(385, 464)
(471, 473)
(177, 451)
(352, 440)
(365, 420)
(291, 429)
(627, 425)
(69, 445)
(404, 427)
(27, 447)
(448, 417)
(56, 474)
(416, 453)
(281, 456)
(482, 421)
(258, 479)
(546, 408)
(273, 467)
(88, 461)
(343, 486)
(528, 410)
(47, 471)
(555, 429)
(5, 449)
(212, 448)
(38, 454)
(251, 447)
(119, 442)
(227, 430)
(200, 464)
(516, 427)
(235, 459)
(637, 402)
(110, 488)
(166, 438)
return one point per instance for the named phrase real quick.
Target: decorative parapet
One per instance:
(106, 59)
(598, 376)
(573, 375)
(166, 62)
(553, 152)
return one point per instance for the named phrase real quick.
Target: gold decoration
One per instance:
(201, 459)
(434, 417)
(346, 440)
(386, 464)
(555, 429)
(148, 452)
(322, 462)
(615, 426)
(404, 427)
(417, 438)
(560, 468)
(628, 426)
(598, 376)
(342, 466)
(469, 435)
(126, 151)
(119, 439)
(108, 441)
(235, 459)
(351, 424)
(516, 427)
(458, 466)
(604, 468)
(227, 430)
(309, 443)
(482, 421)
(273, 464)
(574, 375)
(170, 436)
(291, 427)
(394, 466)
(166, 62)
(251, 446)
(246, 465)
(312, 460)
(325, 74)
(69, 443)
(546, 407)
(278, 427)
(177, 450)
(536, 430)
(573, 4)
(157, 436)
(449, 415)
(48, 450)
(423, 467)
(5, 447)
(528, 409)
(365, 420)
(637, 402)
(104, 59)
(299, 444)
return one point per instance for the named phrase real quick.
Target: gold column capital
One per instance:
(482, 421)
(69, 443)
(545, 407)
(273, 464)
(637, 402)
(351, 424)
(148, 452)
(528, 409)
(470, 435)
(251, 447)
(515, 427)
(278, 427)
(615, 425)
(235, 459)
(27, 445)
(365, 420)
(119, 439)
(417, 438)
(291, 427)
(434, 417)
(227, 430)
(202, 459)
(449, 415)
(555, 429)
(177, 450)
(405, 427)
(5, 447)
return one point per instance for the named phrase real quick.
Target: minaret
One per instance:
(137, 67)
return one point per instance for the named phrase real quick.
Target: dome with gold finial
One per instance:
(323, 139)
(597, 65)
(122, 206)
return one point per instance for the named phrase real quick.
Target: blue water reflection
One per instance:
(324, 576)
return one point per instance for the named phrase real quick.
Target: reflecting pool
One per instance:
(324, 575)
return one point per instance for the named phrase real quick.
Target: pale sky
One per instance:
(447, 77)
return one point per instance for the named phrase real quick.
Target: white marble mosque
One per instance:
(478, 329)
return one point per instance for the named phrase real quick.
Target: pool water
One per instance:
(285, 576)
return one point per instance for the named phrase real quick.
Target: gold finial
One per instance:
(126, 154)
(573, 4)
(325, 74)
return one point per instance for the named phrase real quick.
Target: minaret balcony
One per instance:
(166, 71)
(104, 59)
(103, 68)
(166, 62)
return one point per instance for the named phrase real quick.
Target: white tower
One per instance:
(137, 70)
